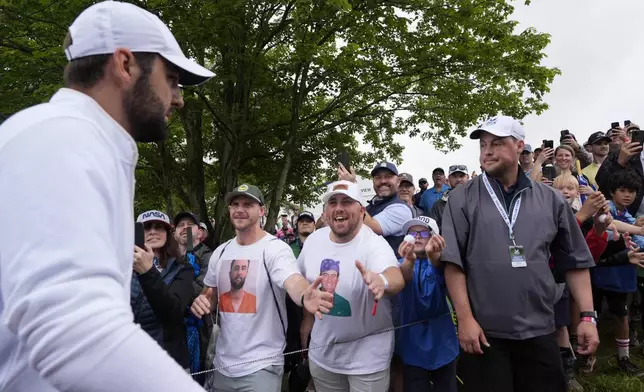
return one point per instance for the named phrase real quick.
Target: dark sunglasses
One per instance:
(423, 234)
(457, 167)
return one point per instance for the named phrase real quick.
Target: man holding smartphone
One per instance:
(65, 290)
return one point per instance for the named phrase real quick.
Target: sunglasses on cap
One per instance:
(457, 167)
(423, 234)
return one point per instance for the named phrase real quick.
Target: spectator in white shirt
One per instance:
(361, 268)
(66, 321)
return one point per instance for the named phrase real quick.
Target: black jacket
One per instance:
(159, 302)
(611, 166)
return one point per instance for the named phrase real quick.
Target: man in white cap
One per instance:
(66, 322)
(358, 267)
(499, 240)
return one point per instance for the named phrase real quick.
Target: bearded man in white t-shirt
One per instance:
(366, 270)
(247, 357)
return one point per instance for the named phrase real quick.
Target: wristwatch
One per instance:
(590, 317)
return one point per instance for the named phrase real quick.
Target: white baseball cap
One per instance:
(501, 126)
(343, 187)
(106, 26)
(154, 215)
(421, 221)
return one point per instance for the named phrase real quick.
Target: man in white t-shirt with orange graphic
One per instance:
(363, 268)
(266, 270)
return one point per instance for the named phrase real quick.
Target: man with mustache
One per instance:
(238, 300)
(386, 213)
(249, 346)
(66, 318)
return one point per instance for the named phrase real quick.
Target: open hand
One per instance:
(143, 259)
(471, 336)
(636, 257)
(627, 151)
(372, 280)
(316, 301)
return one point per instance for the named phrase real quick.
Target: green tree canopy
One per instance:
(298, 81)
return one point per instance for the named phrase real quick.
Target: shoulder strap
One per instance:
(270, 282)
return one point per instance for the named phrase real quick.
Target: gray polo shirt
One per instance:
(508, 302)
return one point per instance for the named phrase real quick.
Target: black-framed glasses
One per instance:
(423, 234)
(458, 168)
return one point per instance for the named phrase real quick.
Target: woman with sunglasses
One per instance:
(161, 289)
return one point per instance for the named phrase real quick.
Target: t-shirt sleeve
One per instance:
(455, 230)
(569, 249)
(280, 261)
(380, 256)
(392, 218)
(211, 275)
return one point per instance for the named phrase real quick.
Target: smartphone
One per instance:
(614, 125)
(343, 158)
(548, 144)
(139, 235)
(564, 133)
(627, 123)
(549, 172)
(637, 136)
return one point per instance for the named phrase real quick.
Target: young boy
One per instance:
(616, 282)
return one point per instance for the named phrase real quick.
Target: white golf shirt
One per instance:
(66, 247)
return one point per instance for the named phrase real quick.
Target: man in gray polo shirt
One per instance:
(501, 230)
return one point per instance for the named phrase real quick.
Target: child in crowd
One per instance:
(615, 282)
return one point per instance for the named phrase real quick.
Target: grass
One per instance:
(606, 377)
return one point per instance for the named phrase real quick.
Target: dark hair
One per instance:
(85, 72)
(624, 179)
(438, 170)
(170, 249)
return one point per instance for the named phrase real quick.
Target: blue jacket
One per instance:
(619, 279)
(432, 344)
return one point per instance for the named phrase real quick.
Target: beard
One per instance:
(145, 112)
(234, 285)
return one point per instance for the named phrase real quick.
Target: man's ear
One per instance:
(262, 211)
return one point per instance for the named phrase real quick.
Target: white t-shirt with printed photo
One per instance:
(351, 316)
(250, 324)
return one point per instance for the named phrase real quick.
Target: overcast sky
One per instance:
(599, 47)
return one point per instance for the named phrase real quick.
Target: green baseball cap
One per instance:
(246, 190)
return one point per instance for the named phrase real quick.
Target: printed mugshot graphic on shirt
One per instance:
(238, 286)
(330, 271)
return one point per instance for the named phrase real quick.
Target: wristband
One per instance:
(382, 276)
(589, 320)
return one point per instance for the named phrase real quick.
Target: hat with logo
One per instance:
(185, 214)
(247, 190)
(343, 187)
(421, 221)
(384, 166)
(501, 126)
(304, 215)
(457, 169)
(106, 26)
(154, 216)
(406, 177)
(527, 148)
(598, 137)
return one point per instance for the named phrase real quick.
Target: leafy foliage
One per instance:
(296, 82)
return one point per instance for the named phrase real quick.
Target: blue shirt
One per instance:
(432, 344)
(430, 196)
